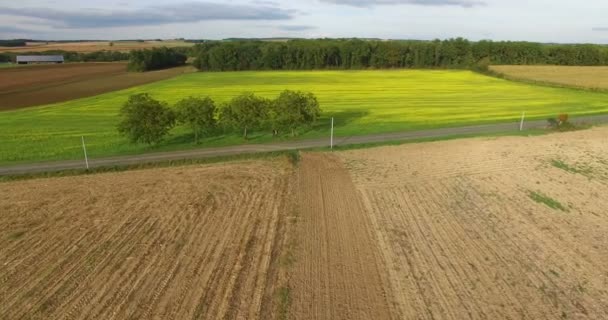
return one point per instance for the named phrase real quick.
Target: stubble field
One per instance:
(362, 102)
(512, 228)
(484, 228)
(581, 77)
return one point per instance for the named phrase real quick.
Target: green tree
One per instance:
(145, 120)
(294, 109)
(245, 112)
(198, 114)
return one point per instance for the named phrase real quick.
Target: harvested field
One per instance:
(470, 229)
(84, 47)
(198, 242)
(580, 77)
(37, 85)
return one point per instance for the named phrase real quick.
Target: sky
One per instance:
(561, 21)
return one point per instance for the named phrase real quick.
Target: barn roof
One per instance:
(39, 58)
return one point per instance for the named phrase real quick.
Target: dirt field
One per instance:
(466, 230)
(183, 243)
(338, 270)
(583, 77)
(45, 84)
(84, 47)
(485, 228)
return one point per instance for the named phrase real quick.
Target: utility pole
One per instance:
(86, 158)
(331, 141)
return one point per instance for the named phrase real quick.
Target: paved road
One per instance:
(281, 146)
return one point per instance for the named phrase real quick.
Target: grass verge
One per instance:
(164, 164)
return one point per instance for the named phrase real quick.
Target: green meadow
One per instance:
(362, 102)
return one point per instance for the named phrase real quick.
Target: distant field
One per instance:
(44, 84)
(583, 77)
(363, 102)
(7, 65)
(95, 46)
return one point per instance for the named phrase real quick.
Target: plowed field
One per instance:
(486, 228)
(45, 84)
(471, 229)
(187, 243)
(580, 77)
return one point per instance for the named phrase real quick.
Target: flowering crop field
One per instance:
(362, 102)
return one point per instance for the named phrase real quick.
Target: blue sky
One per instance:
(534, 20)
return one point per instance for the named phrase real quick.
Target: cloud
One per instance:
(185, 12)
(11, 29)
(371, 3)
(296, 28)
(601, 29)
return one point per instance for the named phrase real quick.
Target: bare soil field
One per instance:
(483, 228)
(580, 77)
(338, 270)
(124, 46)
(198, 242)
(46, 84)
(507, 228)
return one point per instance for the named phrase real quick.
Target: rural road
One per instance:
(282, 146)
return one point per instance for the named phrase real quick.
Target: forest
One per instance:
(71, 56)
(155, 59)
(377, 54)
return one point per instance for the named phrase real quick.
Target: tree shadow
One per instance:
(341, 119)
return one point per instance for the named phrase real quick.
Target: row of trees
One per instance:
(155, 59)
(146, 120)
(71, 56)
(13, 43)
(362, 54)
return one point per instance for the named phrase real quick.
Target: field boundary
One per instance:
(243, 150)
(504, 76)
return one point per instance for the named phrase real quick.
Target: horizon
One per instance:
(536, 21)
(194, 41)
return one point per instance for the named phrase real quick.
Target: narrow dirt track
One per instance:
(337, 274)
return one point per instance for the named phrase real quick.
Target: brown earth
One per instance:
(338, 271)
(83, 47)
(580, 77)
(443, 230)
(40, 85)
(196, 242)
(462, 238)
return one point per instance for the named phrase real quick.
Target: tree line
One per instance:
(364, 54)
(95, 56)
(71, 56)
(13, 43)
(146, 120)
(155, 59)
